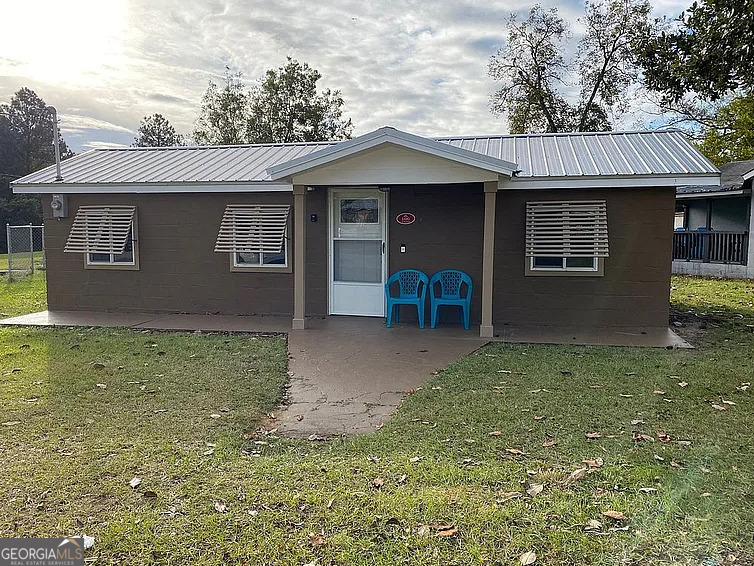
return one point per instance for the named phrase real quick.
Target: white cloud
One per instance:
(417, 65)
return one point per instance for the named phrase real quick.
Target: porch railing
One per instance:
(711, 247)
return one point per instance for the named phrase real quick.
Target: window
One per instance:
(568, 237)
(255, 236)
(106, 235)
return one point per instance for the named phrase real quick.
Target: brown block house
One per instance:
(554, 229)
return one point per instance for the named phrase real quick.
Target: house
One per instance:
(554, 229)
(712, 225)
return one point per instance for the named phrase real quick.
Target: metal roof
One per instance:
(564, 156)
(666, 152)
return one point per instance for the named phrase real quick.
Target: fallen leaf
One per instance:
(414, 459)
(638, 437)
(596, 386)
(647, 489)
(592, 525)
(528, 558)
(637, 422)
(549, 443)
(663, 436)
(134, 483)
(402, 479)
(726, 402)
(508, 495)
(623, 528)
(596, 463)
(576, 475)
(299, 418)
(719, 407)
(514, 451)
(535, 489)
(11, 423)
(214, 416)
(423, 530)
(220, 507)
(617, 515)
(626, 395)
(682, 384)
(593, 435)
(378, 482)
(317, 540)
(540, 417)
(659, 458)
(330, 503)
(744, 386)
(98, 365)
(658, 392)
(149, 494)
(446, 531)
(495, 433)
(704, 470)
(102, 386)
(706, 494)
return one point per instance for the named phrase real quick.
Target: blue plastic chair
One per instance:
(412, 286)
(451, 282)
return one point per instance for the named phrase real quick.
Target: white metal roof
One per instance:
(556, 159)
(665, 152)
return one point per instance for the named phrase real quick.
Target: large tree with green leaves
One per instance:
(729, 136)
(708, 51)
(156, 131)
(284, 107)
(535, 74)
(26, 145)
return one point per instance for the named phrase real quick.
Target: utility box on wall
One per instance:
(59, 206)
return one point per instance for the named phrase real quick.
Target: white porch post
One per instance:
(299, 257)
(486, 330)
(750, 251)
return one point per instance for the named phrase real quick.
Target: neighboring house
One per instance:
(712, 225)
(554, 229)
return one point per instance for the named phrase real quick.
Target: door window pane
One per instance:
(358, 261)
(359, 211)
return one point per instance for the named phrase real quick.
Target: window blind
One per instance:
(566, 229)
(100, 229)
(256, 228)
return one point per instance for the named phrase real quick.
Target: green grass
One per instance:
(68, 462)
(23, 296)
(23, 259)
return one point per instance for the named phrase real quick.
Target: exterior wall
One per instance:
(447, 234)
(725, 270)
(178, 268)
(696, 214)
(730, 214)
(636, 284)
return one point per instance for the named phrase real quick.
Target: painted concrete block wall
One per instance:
(178, 268)
(730, 214)
(634, 290)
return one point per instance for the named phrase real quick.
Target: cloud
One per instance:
(416, 65)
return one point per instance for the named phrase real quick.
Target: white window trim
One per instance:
(598, 268)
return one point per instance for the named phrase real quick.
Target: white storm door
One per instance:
(357, 252)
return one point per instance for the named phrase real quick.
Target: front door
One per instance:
(357, 252)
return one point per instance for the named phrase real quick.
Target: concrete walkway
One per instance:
(349, 374)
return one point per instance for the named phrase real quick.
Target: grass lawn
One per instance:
(24, 296)
(473, 469)
(23, 259)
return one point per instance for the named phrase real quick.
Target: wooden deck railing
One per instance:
(711, 247)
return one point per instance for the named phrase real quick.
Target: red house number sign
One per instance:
(405, 218)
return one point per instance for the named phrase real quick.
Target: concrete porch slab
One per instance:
(643, 337)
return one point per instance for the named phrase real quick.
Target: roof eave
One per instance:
(611, 181)
(145, 188)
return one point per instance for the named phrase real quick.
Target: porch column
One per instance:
(486, 330)
(299, 257)
(750, 243)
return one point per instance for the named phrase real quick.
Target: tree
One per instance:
(157, 131)
(286, 107)
(708, 51)
(224, 114)
(26, 135)
(534, 72)
(730, 136)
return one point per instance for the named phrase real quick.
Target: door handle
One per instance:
(383, 248)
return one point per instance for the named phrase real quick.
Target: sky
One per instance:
(416, 65)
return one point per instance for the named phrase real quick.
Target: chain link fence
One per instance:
(25, 250)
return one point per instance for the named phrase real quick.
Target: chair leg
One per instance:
(420, 313)
(465, 316)
(433, 316)
(389, 314)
